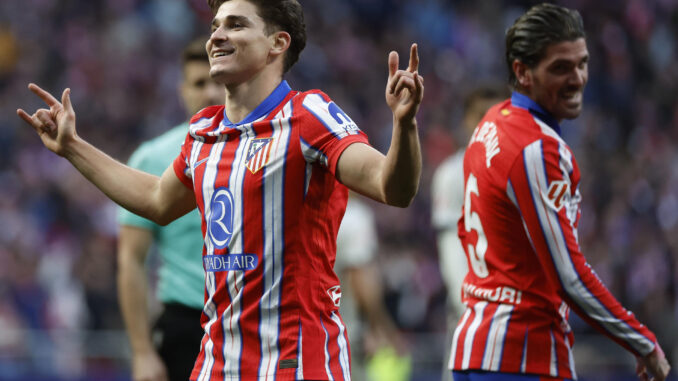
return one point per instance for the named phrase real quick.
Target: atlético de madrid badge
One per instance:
(258, 154)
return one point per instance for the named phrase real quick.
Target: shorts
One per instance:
(177, 334)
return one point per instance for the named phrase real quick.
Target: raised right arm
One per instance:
(160, 199)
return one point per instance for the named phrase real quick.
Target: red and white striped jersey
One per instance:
(519, 231)
(271, 208)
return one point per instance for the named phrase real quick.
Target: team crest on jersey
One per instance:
(334, 293)
(557, 194)
(258, 154)
(220, 218)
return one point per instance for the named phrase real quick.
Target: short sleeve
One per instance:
(326, 131)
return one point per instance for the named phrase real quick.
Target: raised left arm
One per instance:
(392, 179)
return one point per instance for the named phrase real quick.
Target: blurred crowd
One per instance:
(121, 60)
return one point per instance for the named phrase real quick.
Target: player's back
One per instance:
(515, 319)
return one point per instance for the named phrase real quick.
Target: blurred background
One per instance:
(59, 316)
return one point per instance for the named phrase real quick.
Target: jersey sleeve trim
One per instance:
(180, 167)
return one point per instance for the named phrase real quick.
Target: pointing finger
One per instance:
(44, 95)
(414, 58)
(66, 100)
(392, 63)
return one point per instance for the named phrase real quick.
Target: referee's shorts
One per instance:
(473, 375)
(177, 334)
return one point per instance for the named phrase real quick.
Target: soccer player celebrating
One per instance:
(520, 217)
(269, 172)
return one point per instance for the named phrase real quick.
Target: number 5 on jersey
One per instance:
(476, 253)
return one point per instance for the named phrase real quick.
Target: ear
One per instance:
(523, 74)
(281, 42)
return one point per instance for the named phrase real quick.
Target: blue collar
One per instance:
(523, 101)
(264, 107)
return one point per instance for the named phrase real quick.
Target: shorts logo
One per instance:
(220, 219)
(334, 293)
(556, 194)
(230, 262)
(258, 154)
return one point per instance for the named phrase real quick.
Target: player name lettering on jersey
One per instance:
(487, 134)
(500, 294)
(229, 262)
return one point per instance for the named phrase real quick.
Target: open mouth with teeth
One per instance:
(222, 53)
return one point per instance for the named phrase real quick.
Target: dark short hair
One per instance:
(195, 51)
(285, 15)
(532, 33)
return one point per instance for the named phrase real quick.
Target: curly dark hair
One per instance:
(541, 26)
(285, 15)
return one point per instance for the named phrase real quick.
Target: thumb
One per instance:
(66, 101)
(392, 63)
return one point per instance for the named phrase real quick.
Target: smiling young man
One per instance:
(520, 217)
(269, 172)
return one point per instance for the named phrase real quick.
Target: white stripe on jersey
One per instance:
(193, 159)
(343, 348)
(495, 338)
(319, 108)
(548, 131)
(311, 154)
(455, 337)
(553, 368)
(523, 362)
(210, 307)
(235, 279)
(478, 309)
(570, 358)
(569, 278)
(199, 125)
(327, 353)
(273, 188)
(300, 357)
(512, 196)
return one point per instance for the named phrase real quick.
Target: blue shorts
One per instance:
(477, 375)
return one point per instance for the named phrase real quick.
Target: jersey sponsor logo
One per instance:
(220, 219)
(258, 154)
(342, 119)
(487, 134)
(230, 262)
(500, 294)
(334, 293)
(556, 194)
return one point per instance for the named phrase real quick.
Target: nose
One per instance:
(217, 35)
(578, 77)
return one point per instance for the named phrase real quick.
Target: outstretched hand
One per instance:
(56, 125)
(405, 88)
